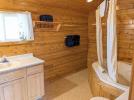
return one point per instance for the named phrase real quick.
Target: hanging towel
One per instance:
(99, 38)
(102, 8)
(112, 41)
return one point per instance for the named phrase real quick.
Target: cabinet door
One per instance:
(35, 86)
(14, 90)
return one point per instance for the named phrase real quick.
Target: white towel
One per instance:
(102, 8)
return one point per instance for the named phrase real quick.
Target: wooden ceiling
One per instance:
(77, 5)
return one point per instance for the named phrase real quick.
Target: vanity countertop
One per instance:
(124, 96)
(19, 62)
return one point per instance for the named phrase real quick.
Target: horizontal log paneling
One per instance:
(68, 67)
(49, 46)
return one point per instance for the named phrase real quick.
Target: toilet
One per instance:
(99, 98)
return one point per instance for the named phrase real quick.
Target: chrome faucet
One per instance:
(39, 98)
(4, 59)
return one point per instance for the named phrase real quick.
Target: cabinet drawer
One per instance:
(35, 69)
(10, 76)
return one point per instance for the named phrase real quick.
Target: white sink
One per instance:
(9, 64)
(16, 62)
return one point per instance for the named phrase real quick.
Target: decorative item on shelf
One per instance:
(46, 18)
(46, 23)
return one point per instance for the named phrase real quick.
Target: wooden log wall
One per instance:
(49, 46)
(125, 32)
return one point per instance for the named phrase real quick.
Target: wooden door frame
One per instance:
(131, 92)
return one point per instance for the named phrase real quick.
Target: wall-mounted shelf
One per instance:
(74, 24)
(47, 26)
(55, 26)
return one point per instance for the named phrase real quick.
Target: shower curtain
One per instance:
(112, 41)
(100, 13)
(99, 37)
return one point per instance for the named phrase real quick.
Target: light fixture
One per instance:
(89, 0)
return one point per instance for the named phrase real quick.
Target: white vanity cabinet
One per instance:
(14, 90)
(13, 85)
(35, 82)
(22, 84)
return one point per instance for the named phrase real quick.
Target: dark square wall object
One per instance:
(48, 18)
(72, 40)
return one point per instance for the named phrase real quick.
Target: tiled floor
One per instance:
(72, 87)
